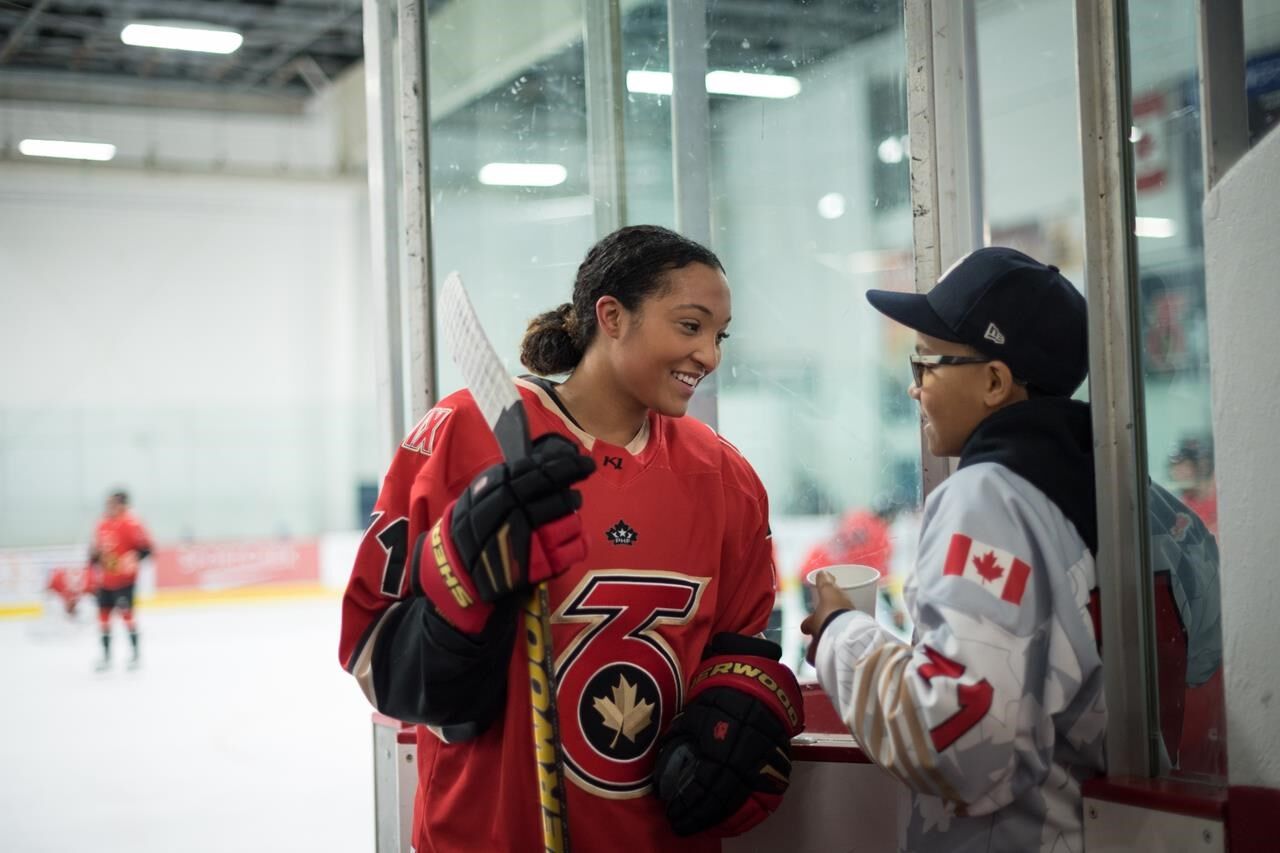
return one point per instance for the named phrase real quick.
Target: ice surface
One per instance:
(240, 732)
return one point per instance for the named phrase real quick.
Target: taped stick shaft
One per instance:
(503, 411)
(552, 797)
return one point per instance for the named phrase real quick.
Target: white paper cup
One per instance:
(857, 582)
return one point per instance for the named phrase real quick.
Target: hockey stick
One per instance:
(499, 402)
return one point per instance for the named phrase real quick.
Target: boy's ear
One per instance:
(1001, 389)
(609, 316)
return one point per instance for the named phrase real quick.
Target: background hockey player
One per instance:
(120, 542)
(70, 585)
(675, 719)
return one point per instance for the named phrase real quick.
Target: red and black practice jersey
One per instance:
(679, 550)
(118, 543)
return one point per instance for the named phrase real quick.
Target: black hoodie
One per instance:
(1047, 441)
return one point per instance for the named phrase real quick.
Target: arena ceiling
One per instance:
(71, 50)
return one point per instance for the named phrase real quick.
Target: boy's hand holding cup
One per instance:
(837, 588)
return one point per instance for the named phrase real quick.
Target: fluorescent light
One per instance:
(523, 174)
(1153, 226)
(752, 85)
(65, 150)
(831, 206)
(890, 150)
(649, 82)
(718, 83)
(199, 38)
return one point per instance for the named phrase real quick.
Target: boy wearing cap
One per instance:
(994, 715)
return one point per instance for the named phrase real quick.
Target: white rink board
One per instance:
(1119, 828)
(830, 808)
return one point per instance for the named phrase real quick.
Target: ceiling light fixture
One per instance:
(831, 206)
(892, 149)
(523, 174)
(1154, 226)
(180, 36)
(67, 150)
(752, 85)
(649, 82)
(739, 83)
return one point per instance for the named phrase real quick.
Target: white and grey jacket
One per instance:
(994, 715)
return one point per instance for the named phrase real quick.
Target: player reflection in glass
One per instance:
(653, 535)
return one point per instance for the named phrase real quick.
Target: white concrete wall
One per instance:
(1244, 304)
(190, 322)
(201, 341)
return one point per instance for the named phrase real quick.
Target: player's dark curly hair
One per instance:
(629, 265)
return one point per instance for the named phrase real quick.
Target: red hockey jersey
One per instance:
(115, 542)
(679, 550)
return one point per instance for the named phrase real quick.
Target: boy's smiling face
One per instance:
(953, 398)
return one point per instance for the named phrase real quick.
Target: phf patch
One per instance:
(997, 571)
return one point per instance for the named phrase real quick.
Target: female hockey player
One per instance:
(674, 718)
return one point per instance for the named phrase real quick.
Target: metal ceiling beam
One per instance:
(304, 67)
(221, 12)
(57, 22)
(16, 37)
(67, 87)
(305, 35)
(251, 19)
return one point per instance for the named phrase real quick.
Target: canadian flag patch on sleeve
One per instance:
(998, 572)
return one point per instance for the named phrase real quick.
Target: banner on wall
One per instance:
(1150, 138)
(225, 565)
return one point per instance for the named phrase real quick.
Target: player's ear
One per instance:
(610, 314)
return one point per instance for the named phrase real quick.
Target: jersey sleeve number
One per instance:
(394, 539)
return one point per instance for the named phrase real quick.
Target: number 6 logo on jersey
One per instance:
(619, 682)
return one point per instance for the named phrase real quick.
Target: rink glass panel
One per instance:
(809, 209)
(1173, 344)
(813, 386)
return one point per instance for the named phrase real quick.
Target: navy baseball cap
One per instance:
(1007, 306)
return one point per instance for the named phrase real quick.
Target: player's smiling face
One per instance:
(672, 341)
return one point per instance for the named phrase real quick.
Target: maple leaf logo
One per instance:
(622, 713)
(988, 567)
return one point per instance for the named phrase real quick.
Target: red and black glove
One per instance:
(726, 759)
(513, 527)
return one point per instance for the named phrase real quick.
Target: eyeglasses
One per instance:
(920, 362)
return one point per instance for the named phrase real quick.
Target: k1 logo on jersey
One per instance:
(422, 438)
(619, 683)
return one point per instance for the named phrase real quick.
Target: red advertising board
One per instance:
(225, 565)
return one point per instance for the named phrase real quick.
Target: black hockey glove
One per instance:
(726, 759)
(513, 527)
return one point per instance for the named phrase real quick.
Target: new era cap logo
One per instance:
(994, 334)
